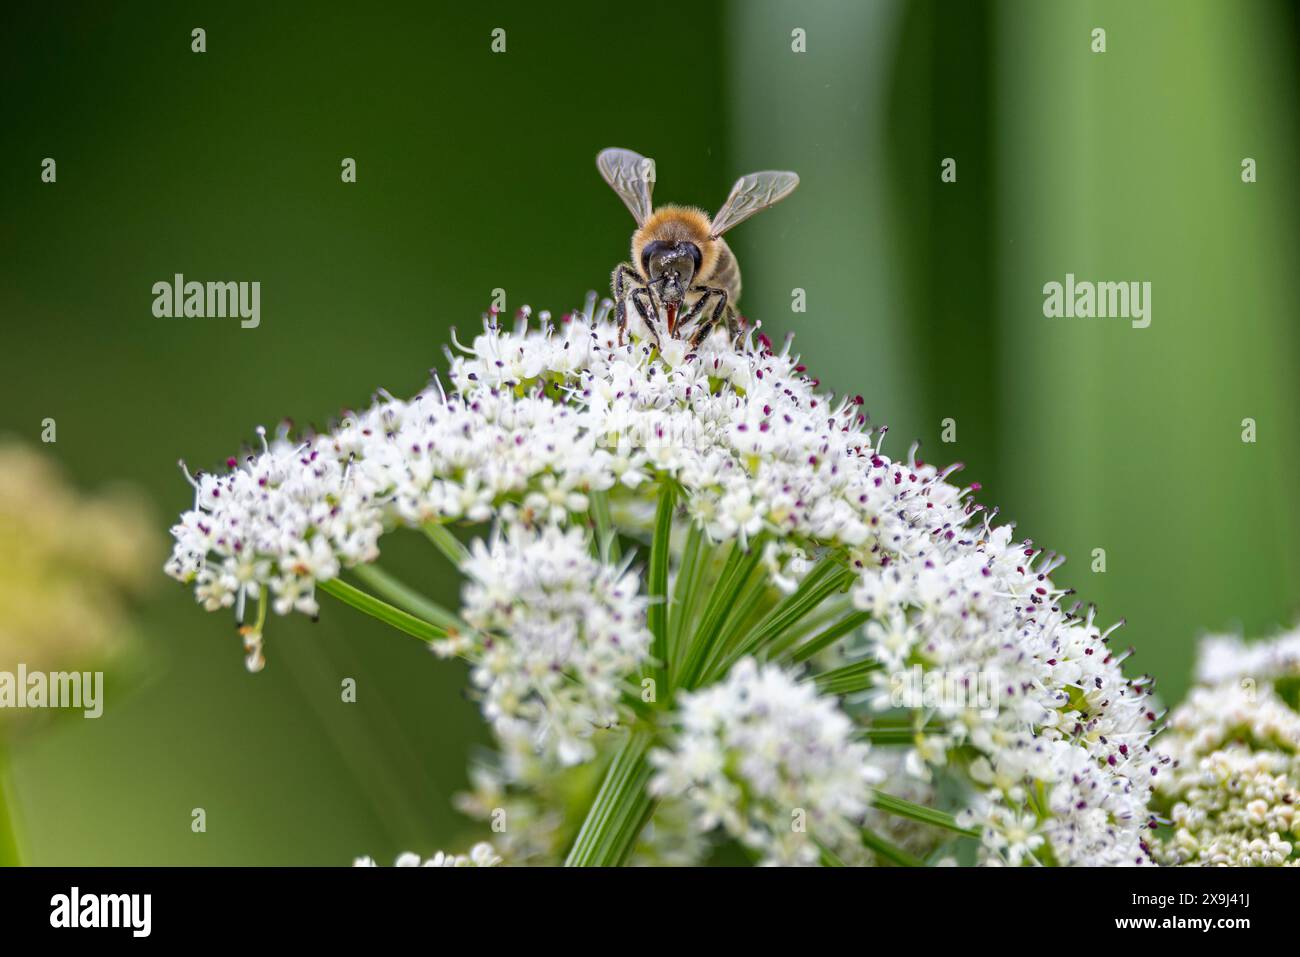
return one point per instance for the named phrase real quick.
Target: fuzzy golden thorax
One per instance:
(674, 224)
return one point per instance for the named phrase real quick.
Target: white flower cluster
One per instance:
(556, 634)
(538, 421)
(1064, 766)
(480, 855)
(1233, 794)
(1230, 658)
(761, 755)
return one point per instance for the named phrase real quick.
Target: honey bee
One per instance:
(680, 262)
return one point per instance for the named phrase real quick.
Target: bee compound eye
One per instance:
(652, 257)
(696, 256)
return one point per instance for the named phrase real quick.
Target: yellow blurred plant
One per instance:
(70, 566)
(69, 563)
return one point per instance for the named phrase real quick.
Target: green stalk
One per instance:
(682, 609)
(735, 573)
(657, 585)
(620, 809)
(407, 598)
(844, 626)
(446, 542)
(638, 814)
(849, 679)
(10, 846)
(827, 578)
(825, 615)
(746, 613)
(829, 857)
(919, 812)
(606, 541)
(888, 851)
(794, 606)
(388, 614)
(897, 735)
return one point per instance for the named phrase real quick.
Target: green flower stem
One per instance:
(844, 626)
(829, 857)
(446, 542)
(888, 851)
(826, 614)
(735, 573)
(607, 549)
(657, 585)
(898, 734)
(746, 612)
(388, 614)
(260, 624)
(407, 598)
(848, 679)
(681, 612)
(620, 809)
(919, 812)
(827, 578)
(10, 847)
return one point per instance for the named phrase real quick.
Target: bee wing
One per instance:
(632, 176)
(753, 194)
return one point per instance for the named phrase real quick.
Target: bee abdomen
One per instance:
(726, 273)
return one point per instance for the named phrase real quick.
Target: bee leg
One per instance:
(644, 311)
(735, 324)
(689, 315)
(706, 325)
(619, 288)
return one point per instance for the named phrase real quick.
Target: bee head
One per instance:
(670, 268)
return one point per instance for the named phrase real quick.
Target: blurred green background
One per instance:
(475, 172)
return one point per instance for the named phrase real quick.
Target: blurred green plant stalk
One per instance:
(10, 853)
